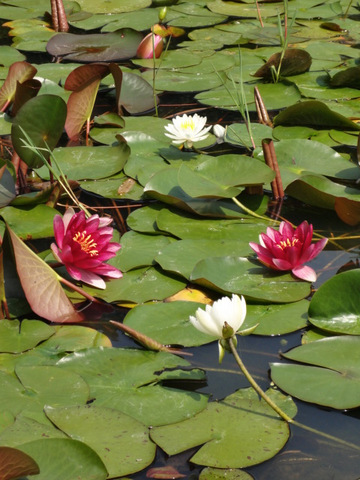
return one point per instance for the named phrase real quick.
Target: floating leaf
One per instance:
(18, 72)
(43, 119)
(210, 473)
(95, 47)
(81, 462)
(16, 337)
(168, 323)
(331, 376)
(293, 62)
(335, 307)
(313, 113)
(238, 431)
(129, 380)
(122, 442)
(244, 277)
(15, 463)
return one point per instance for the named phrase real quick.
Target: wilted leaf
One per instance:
(294, 62)
(15, 463)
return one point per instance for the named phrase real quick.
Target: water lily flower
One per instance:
(83, 245)
(219, 132)
(288, 249)
(221, 320)
(150, 44)
(187, 129)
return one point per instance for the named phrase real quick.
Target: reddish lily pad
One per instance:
(15, 463)
(95, 47)
(41, 285)
(18, 72)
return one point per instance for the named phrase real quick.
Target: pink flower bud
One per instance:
(149, 44)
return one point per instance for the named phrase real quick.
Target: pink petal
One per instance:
(305, 273)
(59, 230)
(87, 277)
(282, 264)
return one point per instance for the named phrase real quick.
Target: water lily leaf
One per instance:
(164, 473)
(139, 20)
(10, 55)
(95, 47)
(313, 113)
(41, 285)
(277, 319)
(296, 159)
(16, 337)
(348, 210)
(335, 307)
(128, 380)
(242, 276)
(89, 163)
(346, 78)
(43, 120)
(330, 375)
(84, 83)
(184, 226)
(222, 426)
(18, 72)
(15, 463)
(30, 222)
(197, 185)
(293, 62)
(170, 60)
(120, 443)
(7, 184)
(113, 6)
(237, 134)
(168, 323)
(137, 94)
(81, 460)
(139, 250)
(26, 429)
(182, 256)
(210, 473)
(72, 338)
(37, 386)
(322, 192)
(141, 285)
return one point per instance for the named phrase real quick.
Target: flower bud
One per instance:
(162, 14)
(150, 44)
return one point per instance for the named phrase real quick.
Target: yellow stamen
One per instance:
(188, 124)
(287, 243)
(86, 242)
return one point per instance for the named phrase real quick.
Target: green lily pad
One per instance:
(335, 307)
(122, 443)
(277, 319)
(113, 6)
(238, 431)
(168, 323)
(210, 473)
(81, 460)
(129, 380)
(182, 256)
(100, 162)
(139, 250)
(296, 158)
(242, 276)
(330, 376)
(14, 339)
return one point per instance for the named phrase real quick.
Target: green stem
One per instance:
(253, 214)
(277, 409)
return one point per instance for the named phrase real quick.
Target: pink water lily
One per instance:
(288, 249)
(151, 44)
(83, 245)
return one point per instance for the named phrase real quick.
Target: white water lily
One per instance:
(187, 129)
(219, 132)
(215, 320)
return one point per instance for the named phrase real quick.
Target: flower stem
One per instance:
(78, 289)
(277, 409)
